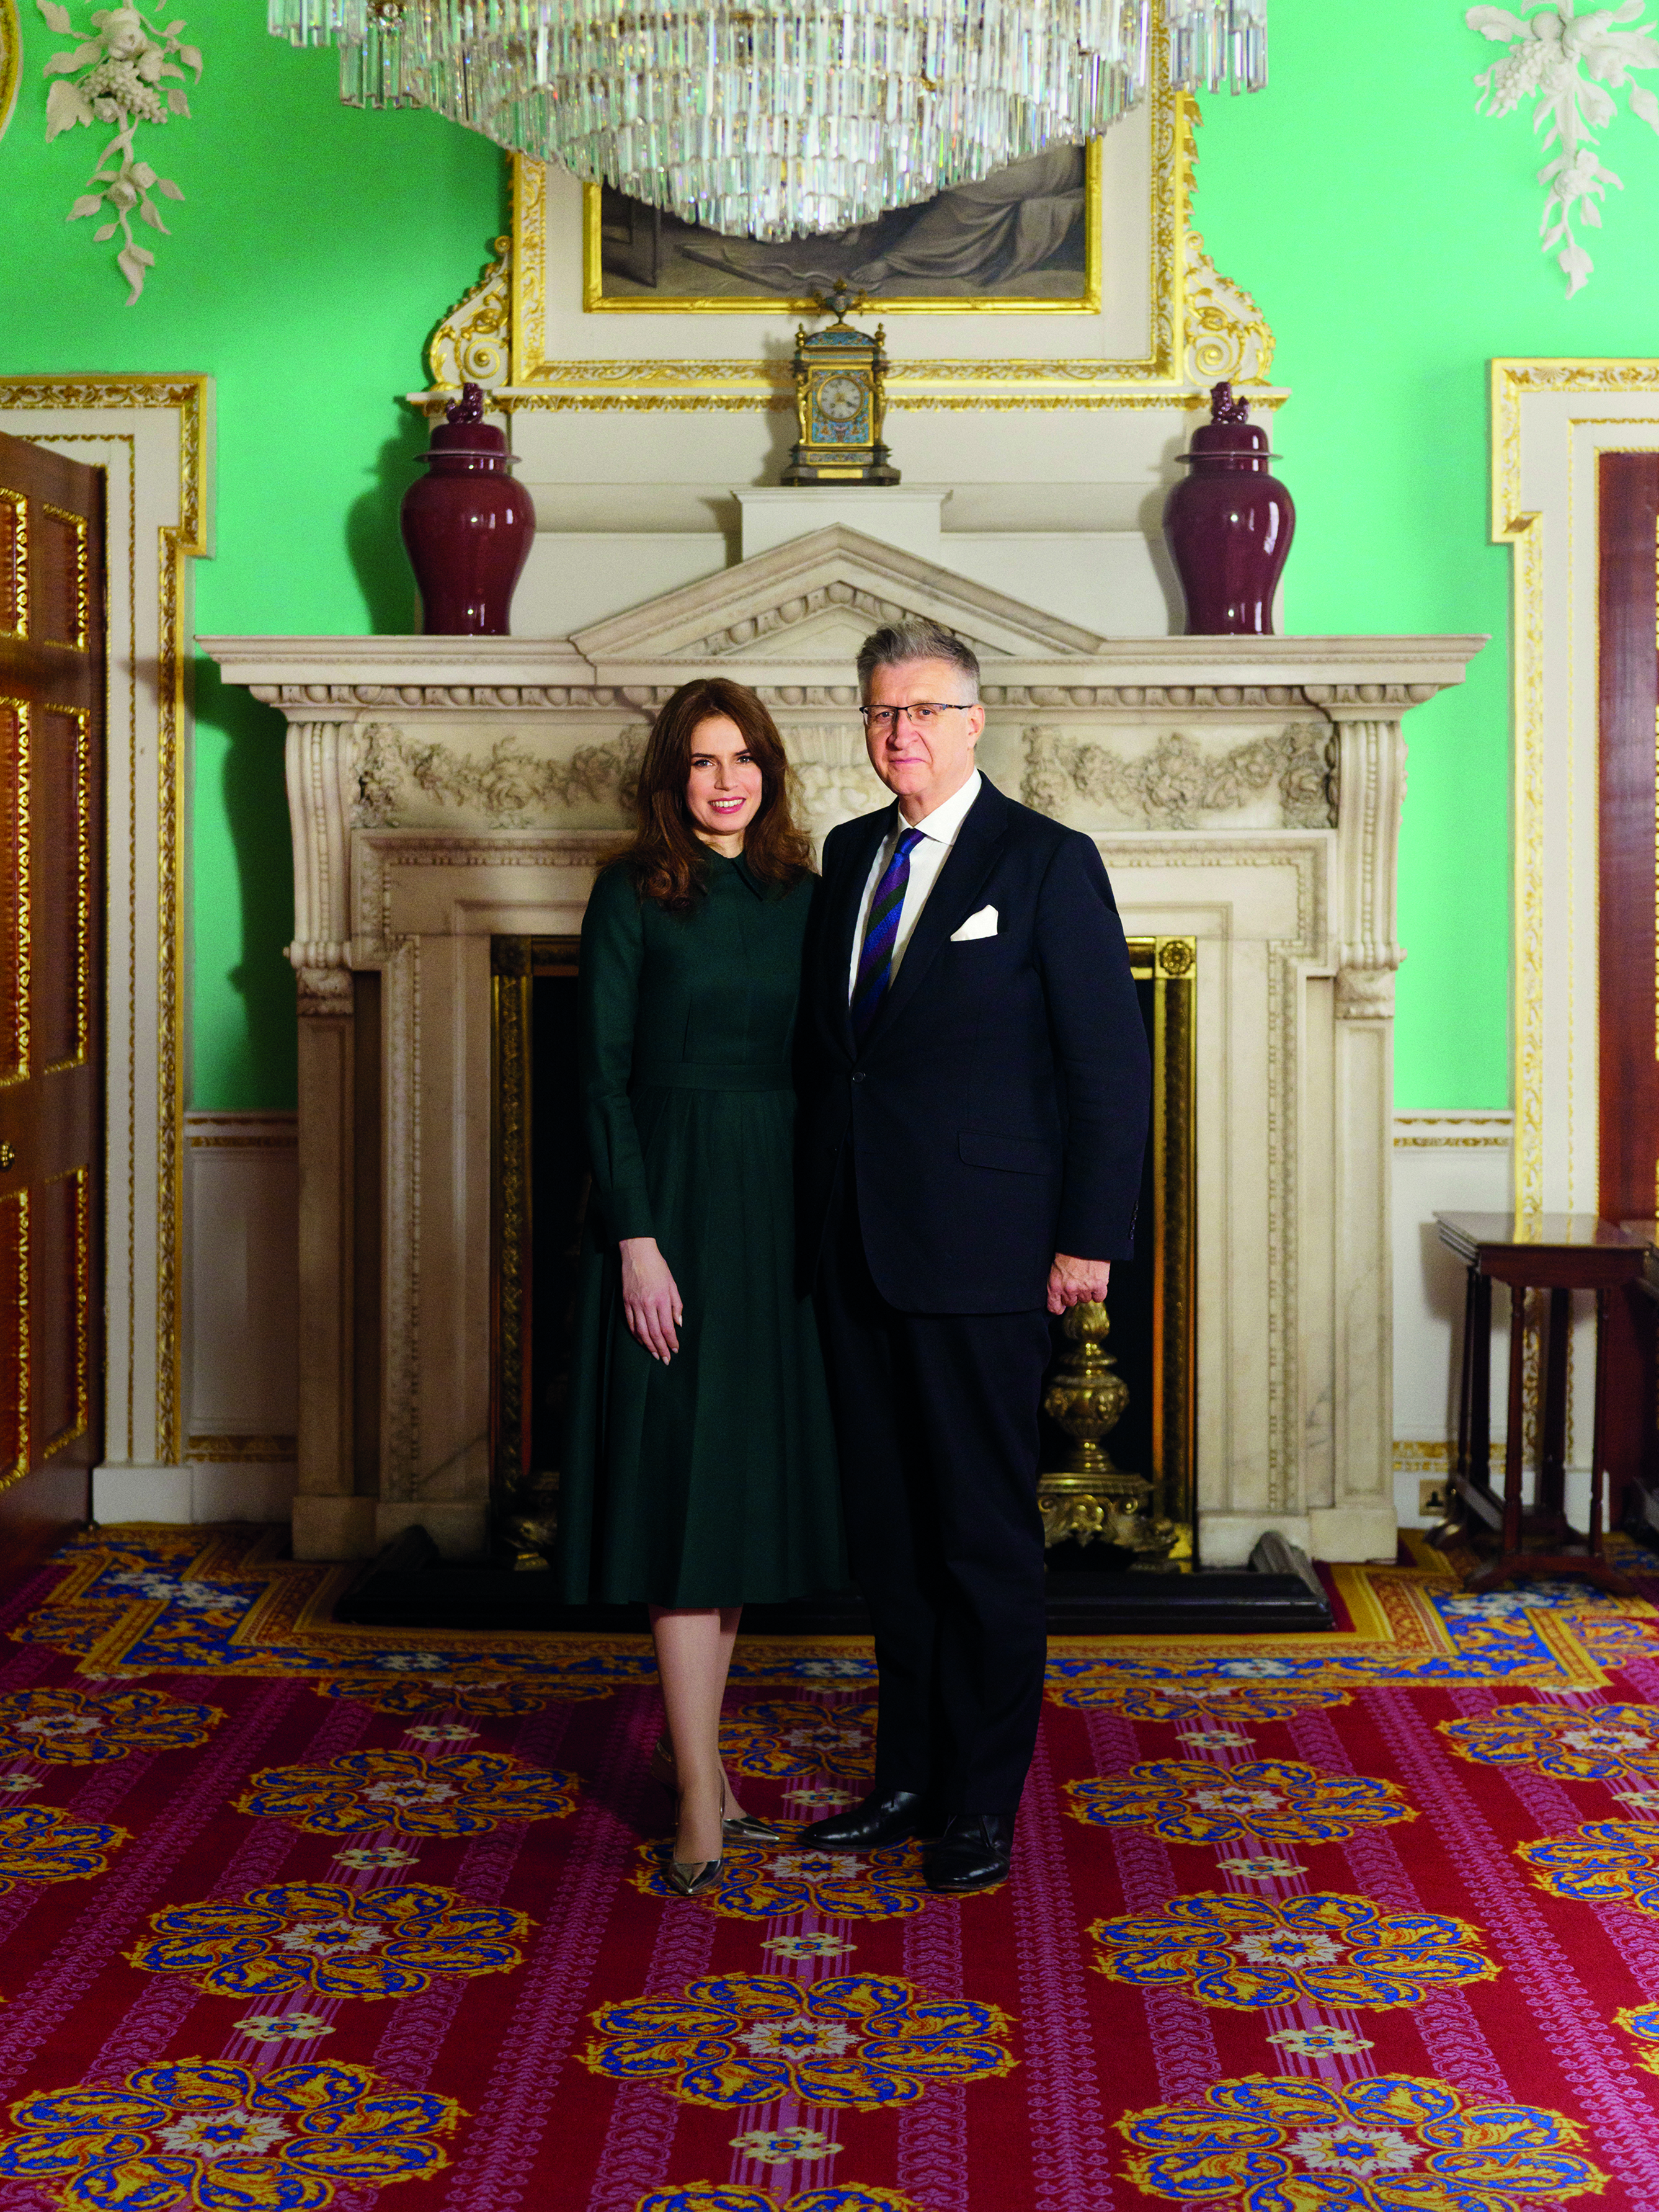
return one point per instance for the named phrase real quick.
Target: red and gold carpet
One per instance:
(295, 1913)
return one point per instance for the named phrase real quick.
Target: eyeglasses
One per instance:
(922, 716)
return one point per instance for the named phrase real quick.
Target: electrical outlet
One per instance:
(1433, 1497)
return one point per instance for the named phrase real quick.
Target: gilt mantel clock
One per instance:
(840, 399)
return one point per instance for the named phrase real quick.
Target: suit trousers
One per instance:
(937, 1422)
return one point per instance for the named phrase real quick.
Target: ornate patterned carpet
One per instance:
(293, 1914)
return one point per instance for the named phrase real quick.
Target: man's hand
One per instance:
(1074, 1282)
(651, 1298)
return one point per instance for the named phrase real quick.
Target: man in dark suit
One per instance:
(974, 1106)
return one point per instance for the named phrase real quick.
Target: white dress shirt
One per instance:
(939, 830)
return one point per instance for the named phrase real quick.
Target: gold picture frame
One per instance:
(524, 333)
(1085, 301)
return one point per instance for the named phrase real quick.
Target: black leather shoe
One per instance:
(871, 1827)
(974, 1852)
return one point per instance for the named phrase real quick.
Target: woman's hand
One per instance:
(651, 1297)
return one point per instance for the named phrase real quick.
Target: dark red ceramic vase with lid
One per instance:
(1229, 524)
(468, 528)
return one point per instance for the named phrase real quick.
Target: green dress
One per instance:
(713, 1480)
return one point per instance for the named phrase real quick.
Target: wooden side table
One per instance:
(1560, 1253)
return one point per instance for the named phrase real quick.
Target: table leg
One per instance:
(1628, 1356)
(1597, 1444)
(1480, 1385)
(1466, 1377)
(1515, 1444)
(1552, 1467)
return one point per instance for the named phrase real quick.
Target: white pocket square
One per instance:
(982, 924)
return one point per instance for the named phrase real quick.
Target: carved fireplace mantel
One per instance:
(1245, 792)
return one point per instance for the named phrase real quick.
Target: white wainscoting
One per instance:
(1442, 1163)
(241, 1364)
(241, 1368)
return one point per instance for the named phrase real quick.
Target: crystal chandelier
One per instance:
(777, 118)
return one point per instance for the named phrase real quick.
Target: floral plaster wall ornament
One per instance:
(117, 74)
(1566, 63)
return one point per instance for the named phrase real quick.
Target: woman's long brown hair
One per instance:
(668, 859)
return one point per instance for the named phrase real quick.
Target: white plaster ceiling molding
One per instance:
(1570, 66)
(125, 71)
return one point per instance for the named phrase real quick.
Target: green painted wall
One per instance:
(313, 250)
(1388, 232)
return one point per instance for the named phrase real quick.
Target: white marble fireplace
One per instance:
(1245, 792)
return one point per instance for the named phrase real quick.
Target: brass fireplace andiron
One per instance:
(1089, 1498)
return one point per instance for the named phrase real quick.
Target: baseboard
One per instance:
(258, 1490)
(39, 1513)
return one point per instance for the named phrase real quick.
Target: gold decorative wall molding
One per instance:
(470, 345)
(1202, 328)
(148, 747)
(1455, 1133)
(1552, 418)
(11, 60)
(1424, 1455)
(1542, 649)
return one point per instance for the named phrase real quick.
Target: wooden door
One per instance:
(1629, 679)
(1627, 924)
(51, 755)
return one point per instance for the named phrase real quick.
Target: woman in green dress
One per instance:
(699, 1469)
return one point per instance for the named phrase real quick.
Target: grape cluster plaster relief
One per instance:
(1176, 784)
(404, 779)
(118, 73)
(1570, 65)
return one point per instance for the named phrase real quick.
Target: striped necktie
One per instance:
(880, 933)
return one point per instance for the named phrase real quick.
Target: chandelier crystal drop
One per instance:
(779, 118)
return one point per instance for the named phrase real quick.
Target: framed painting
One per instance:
(1025, 241)
(1073, 282)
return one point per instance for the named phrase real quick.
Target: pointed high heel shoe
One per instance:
(745, 1829)
(690, 1877)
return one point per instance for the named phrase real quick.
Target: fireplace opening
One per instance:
(1118, 1488)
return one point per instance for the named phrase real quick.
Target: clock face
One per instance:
(839, 398)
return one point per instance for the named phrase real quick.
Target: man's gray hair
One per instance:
(913, 637)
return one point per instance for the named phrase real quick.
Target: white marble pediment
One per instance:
(808, 606)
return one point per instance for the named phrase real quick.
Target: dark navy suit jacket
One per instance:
(998, 1108)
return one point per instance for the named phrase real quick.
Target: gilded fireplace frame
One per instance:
(521, 1498)
(1170, 964)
